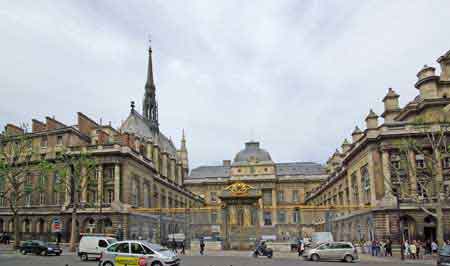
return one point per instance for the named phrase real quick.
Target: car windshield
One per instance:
(155, 247)
(112, 240)
(41, 243)
(445, 251)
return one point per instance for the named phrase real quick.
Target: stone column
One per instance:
(84, 185)
(260, 212)
(388, 193)
(100, 184)
(274, 206)
(117, 182)
(247, 216)
(371, 169)
(350, 190)
(413, 174)
(360, 188)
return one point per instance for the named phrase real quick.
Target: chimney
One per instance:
(427, 83)
(85, 124)
(52, 123)
(444, 61)
(357, 134)
(37, 126)
(345, 146)
(226, 162)
(13, 130)
(391, 106)
(372, 120)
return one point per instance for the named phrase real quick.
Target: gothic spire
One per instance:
(150, 83)
(150, 106)
(183, 142)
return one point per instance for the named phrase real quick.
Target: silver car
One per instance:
(138, 253)
(332, 251)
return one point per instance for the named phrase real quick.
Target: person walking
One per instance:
(174, 245)
(300, 247)
(434, 247)
(182, 248)
(413, 250)
(406, 249)
(202, 246)
(389, 247)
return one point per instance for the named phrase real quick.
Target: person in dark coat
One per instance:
(202, 246)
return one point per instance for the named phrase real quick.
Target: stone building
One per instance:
(257, 196)
(138, 167)
(363, 172)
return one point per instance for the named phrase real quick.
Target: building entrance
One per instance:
(240, 214)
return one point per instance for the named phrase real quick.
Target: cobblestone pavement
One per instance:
(218, 259)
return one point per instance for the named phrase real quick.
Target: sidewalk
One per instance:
(428, 260)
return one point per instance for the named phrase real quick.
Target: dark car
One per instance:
(444, 256)
(39, 247)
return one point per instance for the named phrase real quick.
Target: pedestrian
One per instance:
(389, 247)
(406, 251)
(419, 249)
(300, 247)
(428, 247)
(182, 248)
(202, 246)
(413, 249)
(174, 245)
(434, 247)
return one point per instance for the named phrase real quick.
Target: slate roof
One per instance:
(137, 124)
(210, 171)
(300, 168)
(283, 169)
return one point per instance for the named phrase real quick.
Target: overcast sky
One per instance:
(295, 75)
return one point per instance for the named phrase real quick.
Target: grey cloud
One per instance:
(299, 74)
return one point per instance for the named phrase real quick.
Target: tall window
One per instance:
(44, 142)
(267, 197)
(267, 218)
(27, 199)
(355, 188)
(59, 140)
(2, 190)
(365, 181)
(280, 197)
(213, 218)
(42, 198)
(110, 196)
(420, 161)
(296, 216)
(295, 196)
(281, 219)
(135, 194)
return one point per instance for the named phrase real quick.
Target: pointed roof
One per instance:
(390, 94)
(183, 141)
(356, 131)
(371, 114)
(444, 56)
(345, 142)
(150, 83)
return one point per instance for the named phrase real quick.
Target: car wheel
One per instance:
(348, 258)
(156, 263)
(44, 253)
(269, 256)
(107, 264)
(315, 257)
(84, 257)
(23, 251)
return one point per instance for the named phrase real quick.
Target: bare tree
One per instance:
(420, 181)
(75, 169)
(18, 164)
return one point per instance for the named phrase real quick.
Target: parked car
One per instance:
(92, 246)
(332, 251)
(321, 237)
(138, 252)
(444, 256)
(39, 247)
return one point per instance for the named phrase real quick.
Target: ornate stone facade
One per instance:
(258, 194)
(361, 173)
(138, 167)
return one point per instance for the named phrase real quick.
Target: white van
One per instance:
(92, 246)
